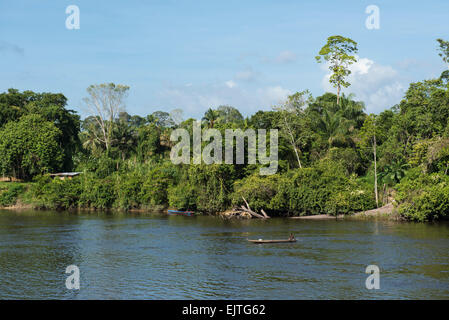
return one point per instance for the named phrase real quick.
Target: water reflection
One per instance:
(153, 256)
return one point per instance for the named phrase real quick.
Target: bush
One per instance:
(423, 197)
(9, 195)
(97, 193)
(154, 190)
(55, 193)
(355, 196)
(257, 190)
(213, 185)
(322, 189)
(127, 190)
(182, 196)
(348, 157)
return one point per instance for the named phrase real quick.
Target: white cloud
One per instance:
(230, 84)
(379, 86)
(362, 66)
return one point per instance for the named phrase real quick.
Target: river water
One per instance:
(154, 256)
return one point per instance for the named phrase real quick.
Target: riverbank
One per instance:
(26, 196)
(385, 212)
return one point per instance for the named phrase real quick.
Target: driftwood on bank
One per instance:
(235, 213)
(252, 213)
(255, 214)
(264, 214)
(243, 212)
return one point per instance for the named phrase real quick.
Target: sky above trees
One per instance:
(200, 54)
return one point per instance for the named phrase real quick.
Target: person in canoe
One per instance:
(292, 237)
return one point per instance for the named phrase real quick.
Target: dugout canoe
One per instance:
(181, 213)
(271, 241)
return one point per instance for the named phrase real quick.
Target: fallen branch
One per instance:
(265, 215)
(247, 205)
(248, 209)
(252, 213)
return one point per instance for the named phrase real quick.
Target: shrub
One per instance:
(257, 190)
(348, 157)
(154, 190)
(9, 195)
(182, 196)
(423, 197)
(322, 189)
(55, 193)
(97, 193)
(213, 185)
(127, 189)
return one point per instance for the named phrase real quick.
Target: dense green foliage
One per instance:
(52, 108)
(10, 193)
(330, 153)
(423, 197)
(29, 147)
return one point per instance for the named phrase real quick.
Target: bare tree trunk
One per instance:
(297, 157)
(292, 140)
(375, 171)
(338, 95)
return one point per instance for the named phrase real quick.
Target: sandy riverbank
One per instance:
(384, 212)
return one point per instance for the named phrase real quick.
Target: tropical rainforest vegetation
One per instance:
(333, 157)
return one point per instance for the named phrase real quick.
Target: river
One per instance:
(154, 256)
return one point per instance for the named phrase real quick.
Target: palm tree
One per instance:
(337, 122)
(90, 136)
(90, 141)
(333, 127)
(124, 138)
(211, 117)
(352, 110)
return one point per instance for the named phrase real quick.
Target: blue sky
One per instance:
(198, 54)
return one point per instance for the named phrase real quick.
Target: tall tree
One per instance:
(444, 50)
(105, 102)
(124, 138)
(52, 106)
(369, 134)
(338, 53)
(444, 54)
(30, 146)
